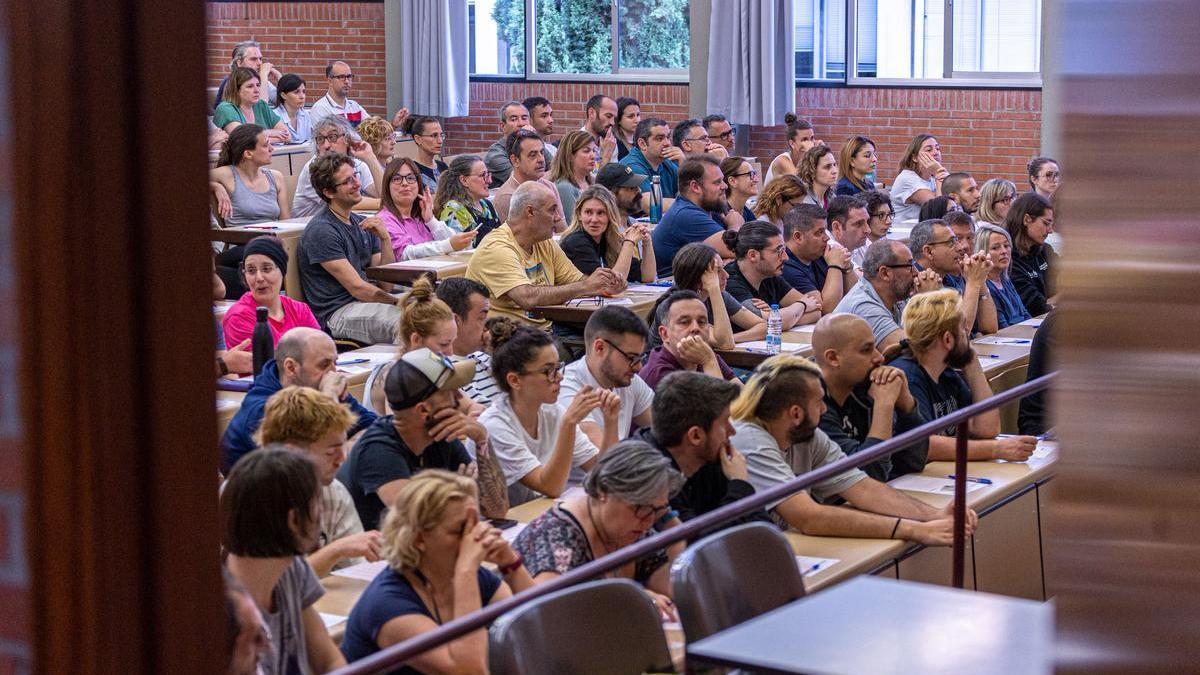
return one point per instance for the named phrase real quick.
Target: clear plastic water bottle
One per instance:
(774, 330)
(656, 200)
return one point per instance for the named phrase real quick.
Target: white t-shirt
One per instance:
(635, 399)
(306, 202)
(906, 184)
(326, 107)
(519, 453)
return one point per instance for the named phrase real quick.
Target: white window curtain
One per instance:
(428, 56)
(751, 59)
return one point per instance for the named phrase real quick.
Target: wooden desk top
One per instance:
(746, 357)
(291, 228)
(408, 271)
(580, 310)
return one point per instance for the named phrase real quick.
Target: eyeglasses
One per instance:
(485, 174)
(953, 241)
(752, 173)
(884, 215)
(441, 135)
(330, 138)
(265, 269)
(650, 511)
(344, 78)
(695, 140)
(402, 178)
(551, 372)
(911, 264)
(635, 360)
(348, 181)
(724, 137)
(1051, 175)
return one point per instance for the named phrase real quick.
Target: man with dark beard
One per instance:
(944, 376)
(776, 419)
(690, 218)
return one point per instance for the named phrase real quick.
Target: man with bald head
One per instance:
(304, 357)
(524, 268)
(888, 279)
(866, 402)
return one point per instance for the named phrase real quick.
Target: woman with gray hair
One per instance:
(626, 497)
(995, 198)
(996, 242)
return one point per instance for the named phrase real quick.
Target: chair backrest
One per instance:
(1003, 382)
(289, 187)
(732, 576)
(601, 627)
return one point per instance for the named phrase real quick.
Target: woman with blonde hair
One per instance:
(856, 163)
(995, 199)
(435, 545)
(381, 136)
(997, 243)
(779, 197)
(594, 239)
(819, 171)
(571, 170)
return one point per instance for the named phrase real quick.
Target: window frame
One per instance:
(951, 79)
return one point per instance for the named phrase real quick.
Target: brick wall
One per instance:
(988, 132)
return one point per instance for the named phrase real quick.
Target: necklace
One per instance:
(608, 548)
(437, 615)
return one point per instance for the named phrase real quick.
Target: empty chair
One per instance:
(603, 627)
(732, 576)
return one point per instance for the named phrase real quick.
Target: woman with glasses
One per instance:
(462, 197)
(856, 163)
(741, 183)
(408, 214)
(381, 136)
(996, 242)
(243, 104)
(1044, 176)
(264, 265)
(571, 170)
(879, 222)
(995, 199)
(537, 442)
(427, 134)
(626, 498)
(289, 105)
(594, 239)
(778, 198)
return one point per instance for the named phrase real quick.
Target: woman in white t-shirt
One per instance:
(920, 179)
(536, 442)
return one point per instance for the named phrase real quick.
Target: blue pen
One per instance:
(990, 356)
(814, 568)
(973, 479)
(352, 362)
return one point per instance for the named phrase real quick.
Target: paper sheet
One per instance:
(510, 534)
(428, 264)
(1036, 323)
(810, 566)
(362, 571)
(761, 346)
(646, 288)
(227, 403)
(937, 486)
(331, 620)
(812, 327)
(597, 301)
(997, 340)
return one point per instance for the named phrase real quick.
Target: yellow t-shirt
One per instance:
(501, 264)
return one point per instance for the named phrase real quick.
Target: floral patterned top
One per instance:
(463, 218)
(555, 542)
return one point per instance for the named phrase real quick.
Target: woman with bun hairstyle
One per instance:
(699, 268)
(537, 442)
(800, 139)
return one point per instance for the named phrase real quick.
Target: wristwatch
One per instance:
(222, 366)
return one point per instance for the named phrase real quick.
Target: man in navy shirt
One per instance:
(701, 190)
(756, 277)
(655, 156)
(810, 257)
(935, 246)
(944, 375)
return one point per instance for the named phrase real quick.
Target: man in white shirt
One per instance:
(331, 134)
(336, 100)
(615, 339)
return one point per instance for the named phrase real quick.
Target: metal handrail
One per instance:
(395, 655)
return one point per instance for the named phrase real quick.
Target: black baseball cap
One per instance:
(614, 175)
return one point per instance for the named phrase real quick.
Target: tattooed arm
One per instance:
(493, 494)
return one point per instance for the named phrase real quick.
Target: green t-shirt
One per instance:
(228, 112)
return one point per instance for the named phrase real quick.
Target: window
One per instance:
(619, 39)
(954, 41)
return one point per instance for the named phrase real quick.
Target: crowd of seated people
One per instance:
(626, 424)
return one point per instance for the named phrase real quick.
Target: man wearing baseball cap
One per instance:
(626, 186)
(425, 431)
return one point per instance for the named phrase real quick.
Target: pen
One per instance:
(990, 356)
(352, 362)
(814, 568)
(973, 479)
(261, 227)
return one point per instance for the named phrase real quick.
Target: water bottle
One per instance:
(261, 342)
(655, 200)
(774, 330)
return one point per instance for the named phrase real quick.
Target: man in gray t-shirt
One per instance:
(888, 279)
(780, 407)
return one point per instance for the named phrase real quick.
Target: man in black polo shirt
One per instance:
(866, 402)
(810, 257)
(756, 277)
(425, 431)
(691, 427)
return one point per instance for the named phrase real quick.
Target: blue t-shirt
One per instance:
(681, 225)
(802, 276)
(390, 596)
(936, 399)
(667, 172)
(1009, 308)
(957, 283)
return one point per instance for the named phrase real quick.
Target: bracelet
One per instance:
(223, 366)
(628, 241)
(894, 528)
(839, 267)
(513, 566)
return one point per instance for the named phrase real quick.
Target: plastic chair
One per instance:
(732, 576)
(606, 627)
